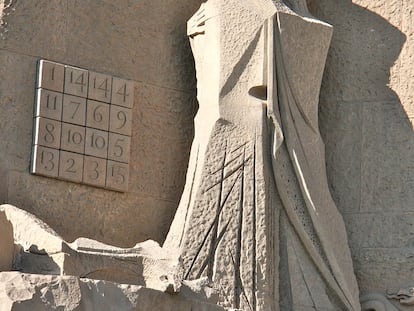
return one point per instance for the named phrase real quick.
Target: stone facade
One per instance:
(366, 120)
(143, 41)
(366, 117)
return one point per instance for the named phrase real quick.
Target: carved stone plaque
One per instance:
(82, 126)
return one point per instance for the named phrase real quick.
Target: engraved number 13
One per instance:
(46, 159)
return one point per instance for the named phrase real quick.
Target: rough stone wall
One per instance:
(143, 41)
(366, 119)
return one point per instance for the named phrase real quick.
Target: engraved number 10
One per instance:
(74, 137)
(98, 142)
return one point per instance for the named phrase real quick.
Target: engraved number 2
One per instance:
(71, 165)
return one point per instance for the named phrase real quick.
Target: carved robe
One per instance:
(256, 216)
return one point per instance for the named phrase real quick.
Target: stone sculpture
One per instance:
(256, 216)
(393, 300)
(404, 295)
(256, 220)
(40, 250)
(41, 271)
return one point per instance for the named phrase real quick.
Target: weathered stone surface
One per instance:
(42, 251)
(6, 243)
(31, 233)
(256, 217)
(366, 121)
(151, 47)
(20, 292)
(365, 114)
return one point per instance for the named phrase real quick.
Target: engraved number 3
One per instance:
(95, 176)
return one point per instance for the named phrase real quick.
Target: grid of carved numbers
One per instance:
(82, 126)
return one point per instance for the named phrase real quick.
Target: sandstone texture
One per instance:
(366, 120)
(40, 250)
(256, 217)
(6, 243)
(143, 41)
(21, 292)
(366, 116)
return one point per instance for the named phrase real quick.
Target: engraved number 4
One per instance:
(123, 92)
(103, 86)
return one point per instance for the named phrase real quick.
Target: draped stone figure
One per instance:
(256, 217)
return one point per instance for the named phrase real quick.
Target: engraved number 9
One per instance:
(121, 117)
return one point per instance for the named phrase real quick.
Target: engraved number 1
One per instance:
(52, 74)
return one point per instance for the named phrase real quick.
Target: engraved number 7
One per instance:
(76, 108)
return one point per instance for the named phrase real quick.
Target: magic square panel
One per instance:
(82, 126)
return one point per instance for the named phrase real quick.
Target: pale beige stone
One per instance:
(45, 161)
(97, 115)
(20, 291)
(74, 109)
(122, 92)
(31, 233)
(85, 126)
(100, 87)
(259, 114)
(120, 120)
(42, 251)
(6, 243)
(51, 76)
(76, 81)
(365, 118)
(377, 302)
(162, 113)
(73, 138)
(119, 147)
(47, 133)
(70, 166)
(49, 104)
(94, 171)
(117, 176)
(355, 82)
(96, 143)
